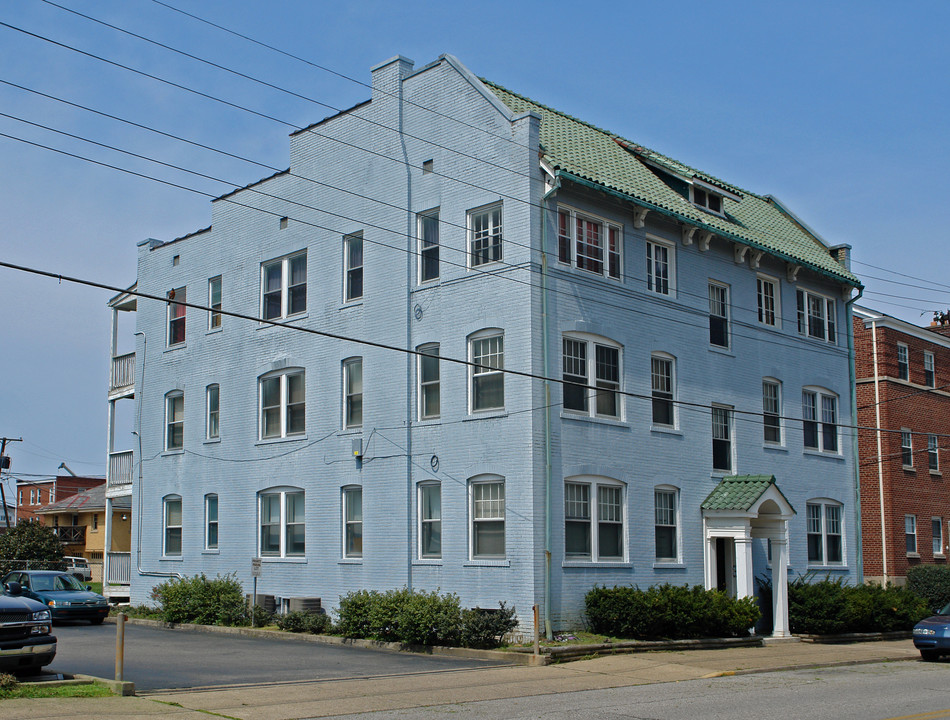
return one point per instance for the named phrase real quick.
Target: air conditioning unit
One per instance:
(306, 604)
(268, 602)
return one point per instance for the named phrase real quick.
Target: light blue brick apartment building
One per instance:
(695, 336)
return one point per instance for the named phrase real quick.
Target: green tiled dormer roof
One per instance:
(600, 158)
(738, 492)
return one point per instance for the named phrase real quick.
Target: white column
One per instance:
(107, 545)
(709, 551)
(744, 577)
(780, 586)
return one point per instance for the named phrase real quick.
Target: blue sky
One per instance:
(837, 108)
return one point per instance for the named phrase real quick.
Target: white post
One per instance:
(710, 553)
(744, 577)
(780, 586)
(107, 545)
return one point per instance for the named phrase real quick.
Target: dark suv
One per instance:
(26, 640)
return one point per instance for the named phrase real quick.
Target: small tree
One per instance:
(30, 541)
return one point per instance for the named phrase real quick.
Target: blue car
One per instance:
(63, 594)
(932, 635)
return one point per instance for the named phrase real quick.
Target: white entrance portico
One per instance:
(740, 508)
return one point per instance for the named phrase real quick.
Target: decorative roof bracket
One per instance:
(704, 239)
(739, 253)
(791, 271)
(639, 217)
(756, 259)
(688, 231)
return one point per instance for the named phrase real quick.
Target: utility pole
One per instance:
(5, 463)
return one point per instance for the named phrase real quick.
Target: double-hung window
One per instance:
(933, 458)
(485, 238)
(171, 511)
(930, 379)
(430, 520)
(903, 362)
(429, 246)
(488, 519)
(584, 359)
(211, 522)
(174, 421)
(767, 300)
(429, 382)
(283, 404)
(661, 267)
(176, 316)
(282, 523)
(661, 379)
(910, 534)
(352, 522)
(722, 438)
(353, 393)
(284, 287)
(936, 534)
(593, 521)
(817, 316)
(589, 244)
(824, 531)
(907, 448)
(820, 421)
(212, 400)
(772, 412)
(718, 314)
(487, 354)
(214, 303)
(666, 527)
(353, 266)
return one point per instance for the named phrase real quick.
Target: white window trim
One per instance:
(284, 284)
(673, 407)
(470, 234)
(606, 226)
(930, 367)
(284, 395)
(830, 336)
(212, 313)
(281, 493)
(421, 521)
(916, 551)
(727, 317)
(678, 528)
(485, 334)
(166, 526)
(593, 483)
(432, 214)
(354, 269)
(654, 241)
(777, 297)
(169, 397)
(936, 541)
(216, 522)
(933, 451)
(592, 341)
(349, 396)
(431, 350)
(823, 504)
(345, 495)
(486, 480)
(180, 296)
(209, 411)
(904, 366)
(781, 422)
(731, 429)
(820, 393)
(907, 435)
(707, 189)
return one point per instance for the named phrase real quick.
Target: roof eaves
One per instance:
(250, 185)
(328, 118)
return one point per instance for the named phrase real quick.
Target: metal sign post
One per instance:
(255, 573)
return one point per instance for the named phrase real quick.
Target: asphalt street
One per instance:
(158, 658)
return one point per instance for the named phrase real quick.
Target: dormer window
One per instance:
(707, 200)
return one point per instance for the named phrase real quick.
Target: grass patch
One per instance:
(572, 637)
(96, 587)
(63, 691)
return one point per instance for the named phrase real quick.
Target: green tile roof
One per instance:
(608, 161)
(738, 492)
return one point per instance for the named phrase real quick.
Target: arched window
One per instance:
(283, 406)
(174, 420)
(591, 360)
(666, 523)
(430, 519)
(487, 353)
(819, 419)
(487, 513)
(172, 524)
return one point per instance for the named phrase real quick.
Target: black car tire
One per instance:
(929, 655)
(97, 621)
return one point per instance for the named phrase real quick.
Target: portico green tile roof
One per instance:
(608, 161)
(739, 492)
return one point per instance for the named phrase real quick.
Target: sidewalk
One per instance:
(306, 699)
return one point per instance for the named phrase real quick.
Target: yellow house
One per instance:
(79, 521)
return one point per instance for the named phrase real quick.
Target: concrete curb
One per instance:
(511, 658)
(119, 687)
(808, 666)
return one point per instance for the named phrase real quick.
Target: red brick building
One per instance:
(902, 375)
(33, 495)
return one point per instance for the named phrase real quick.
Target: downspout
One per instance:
(410, 255)
(880, 449)
(852, 377)
(138, 434)
(548, 633)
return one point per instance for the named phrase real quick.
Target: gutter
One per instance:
(880, 449)
(852, 388)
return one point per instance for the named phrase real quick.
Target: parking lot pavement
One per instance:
(159, 658)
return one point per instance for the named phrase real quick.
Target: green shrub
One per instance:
(487, 627)
(218, 601)
(300, 621)
(8, 681)
(30, 544)
(932, 583)
(354, 613)
(830, 607)
(668, 611)
(259, 617)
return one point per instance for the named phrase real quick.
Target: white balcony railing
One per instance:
(120, 468)
(120, 568)
(123, 372)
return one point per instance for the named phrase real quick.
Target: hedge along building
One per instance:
(694, 338)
